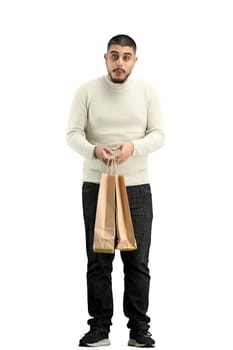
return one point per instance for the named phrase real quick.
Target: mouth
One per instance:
(118, 71)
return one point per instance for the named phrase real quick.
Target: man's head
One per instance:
(120, 58)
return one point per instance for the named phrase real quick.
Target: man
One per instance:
(117, 113)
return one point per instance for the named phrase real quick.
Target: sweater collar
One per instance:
(115, 86)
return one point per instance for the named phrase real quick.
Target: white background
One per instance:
(50, 47)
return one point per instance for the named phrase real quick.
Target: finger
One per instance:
(119, 160)
(115, 148)
(109, 151)
(106, 154)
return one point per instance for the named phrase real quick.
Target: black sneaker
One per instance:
(95, 337)
(141, 339)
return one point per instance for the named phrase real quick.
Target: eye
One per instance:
(126, 58)
(114, 57)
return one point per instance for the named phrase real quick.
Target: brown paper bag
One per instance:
(104, 232)
(113, 224)
(124, 227)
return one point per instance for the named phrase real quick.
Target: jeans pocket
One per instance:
(138, 214)
(89, 187)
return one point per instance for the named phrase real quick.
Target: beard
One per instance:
(118, 80)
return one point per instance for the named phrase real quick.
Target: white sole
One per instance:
(103, 342)
(133, 342)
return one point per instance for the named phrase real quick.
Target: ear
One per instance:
(105, 57)
(135, 60)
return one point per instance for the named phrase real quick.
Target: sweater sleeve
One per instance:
(77, 123)
(154, 136)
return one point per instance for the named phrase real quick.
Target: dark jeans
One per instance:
(136, 271)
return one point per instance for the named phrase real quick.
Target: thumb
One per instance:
(117, 147)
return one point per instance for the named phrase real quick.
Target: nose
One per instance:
(120, 61)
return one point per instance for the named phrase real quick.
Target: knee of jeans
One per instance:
(101, 263)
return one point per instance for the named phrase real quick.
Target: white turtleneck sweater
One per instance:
(106, 113)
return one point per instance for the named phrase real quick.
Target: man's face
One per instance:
(120, 61)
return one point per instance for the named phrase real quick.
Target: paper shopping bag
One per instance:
(104, 230)
(124, 227)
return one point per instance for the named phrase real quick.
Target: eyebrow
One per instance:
(125, 53)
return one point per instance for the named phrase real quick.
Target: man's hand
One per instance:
(104, 153)
(126, 149)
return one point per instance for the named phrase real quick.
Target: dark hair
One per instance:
(122, 40)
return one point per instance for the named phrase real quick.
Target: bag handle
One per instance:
(112, 167)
